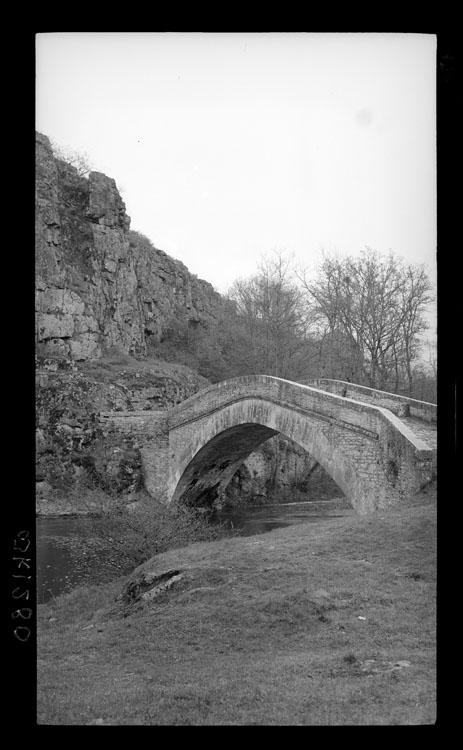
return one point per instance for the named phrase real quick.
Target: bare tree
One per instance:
(271, 308)
(81, 161)
(377, 304)
(415, 297)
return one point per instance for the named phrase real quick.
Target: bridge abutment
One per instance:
(150, 432)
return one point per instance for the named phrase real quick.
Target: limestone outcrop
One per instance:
(100, 286)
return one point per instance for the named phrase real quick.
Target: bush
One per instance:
(79, 160)
(141, 529)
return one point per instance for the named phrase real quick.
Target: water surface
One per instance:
(70, 554)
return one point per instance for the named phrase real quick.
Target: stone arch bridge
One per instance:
(378, 447)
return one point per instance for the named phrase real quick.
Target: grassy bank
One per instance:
(306, 625)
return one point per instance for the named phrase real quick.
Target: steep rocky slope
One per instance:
(98, 285)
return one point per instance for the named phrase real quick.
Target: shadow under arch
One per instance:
(213, 465)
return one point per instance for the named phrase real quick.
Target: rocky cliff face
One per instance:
(98, 285)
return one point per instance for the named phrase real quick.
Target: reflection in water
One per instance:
(69, 554)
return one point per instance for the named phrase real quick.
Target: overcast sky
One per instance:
(227, 146)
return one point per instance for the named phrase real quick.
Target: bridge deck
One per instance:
(423, 430)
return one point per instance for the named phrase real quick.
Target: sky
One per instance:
(228, 146)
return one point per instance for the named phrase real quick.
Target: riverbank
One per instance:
(304, 625)
(69, 509)
(79, 550)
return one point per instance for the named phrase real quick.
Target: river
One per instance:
(69, 553)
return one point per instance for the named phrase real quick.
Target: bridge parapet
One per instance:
(400, 405)
(326, 406)
(142, 424)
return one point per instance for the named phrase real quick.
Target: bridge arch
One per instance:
(218, 455)
(208, 450)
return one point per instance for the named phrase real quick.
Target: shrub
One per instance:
(79, 160)
(141, 529)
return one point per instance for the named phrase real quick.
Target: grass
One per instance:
(116, 364)
(306, 625)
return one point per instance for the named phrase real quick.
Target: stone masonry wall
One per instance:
(400, 405)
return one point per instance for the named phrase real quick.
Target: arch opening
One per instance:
(281, 471)
(212, 468)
